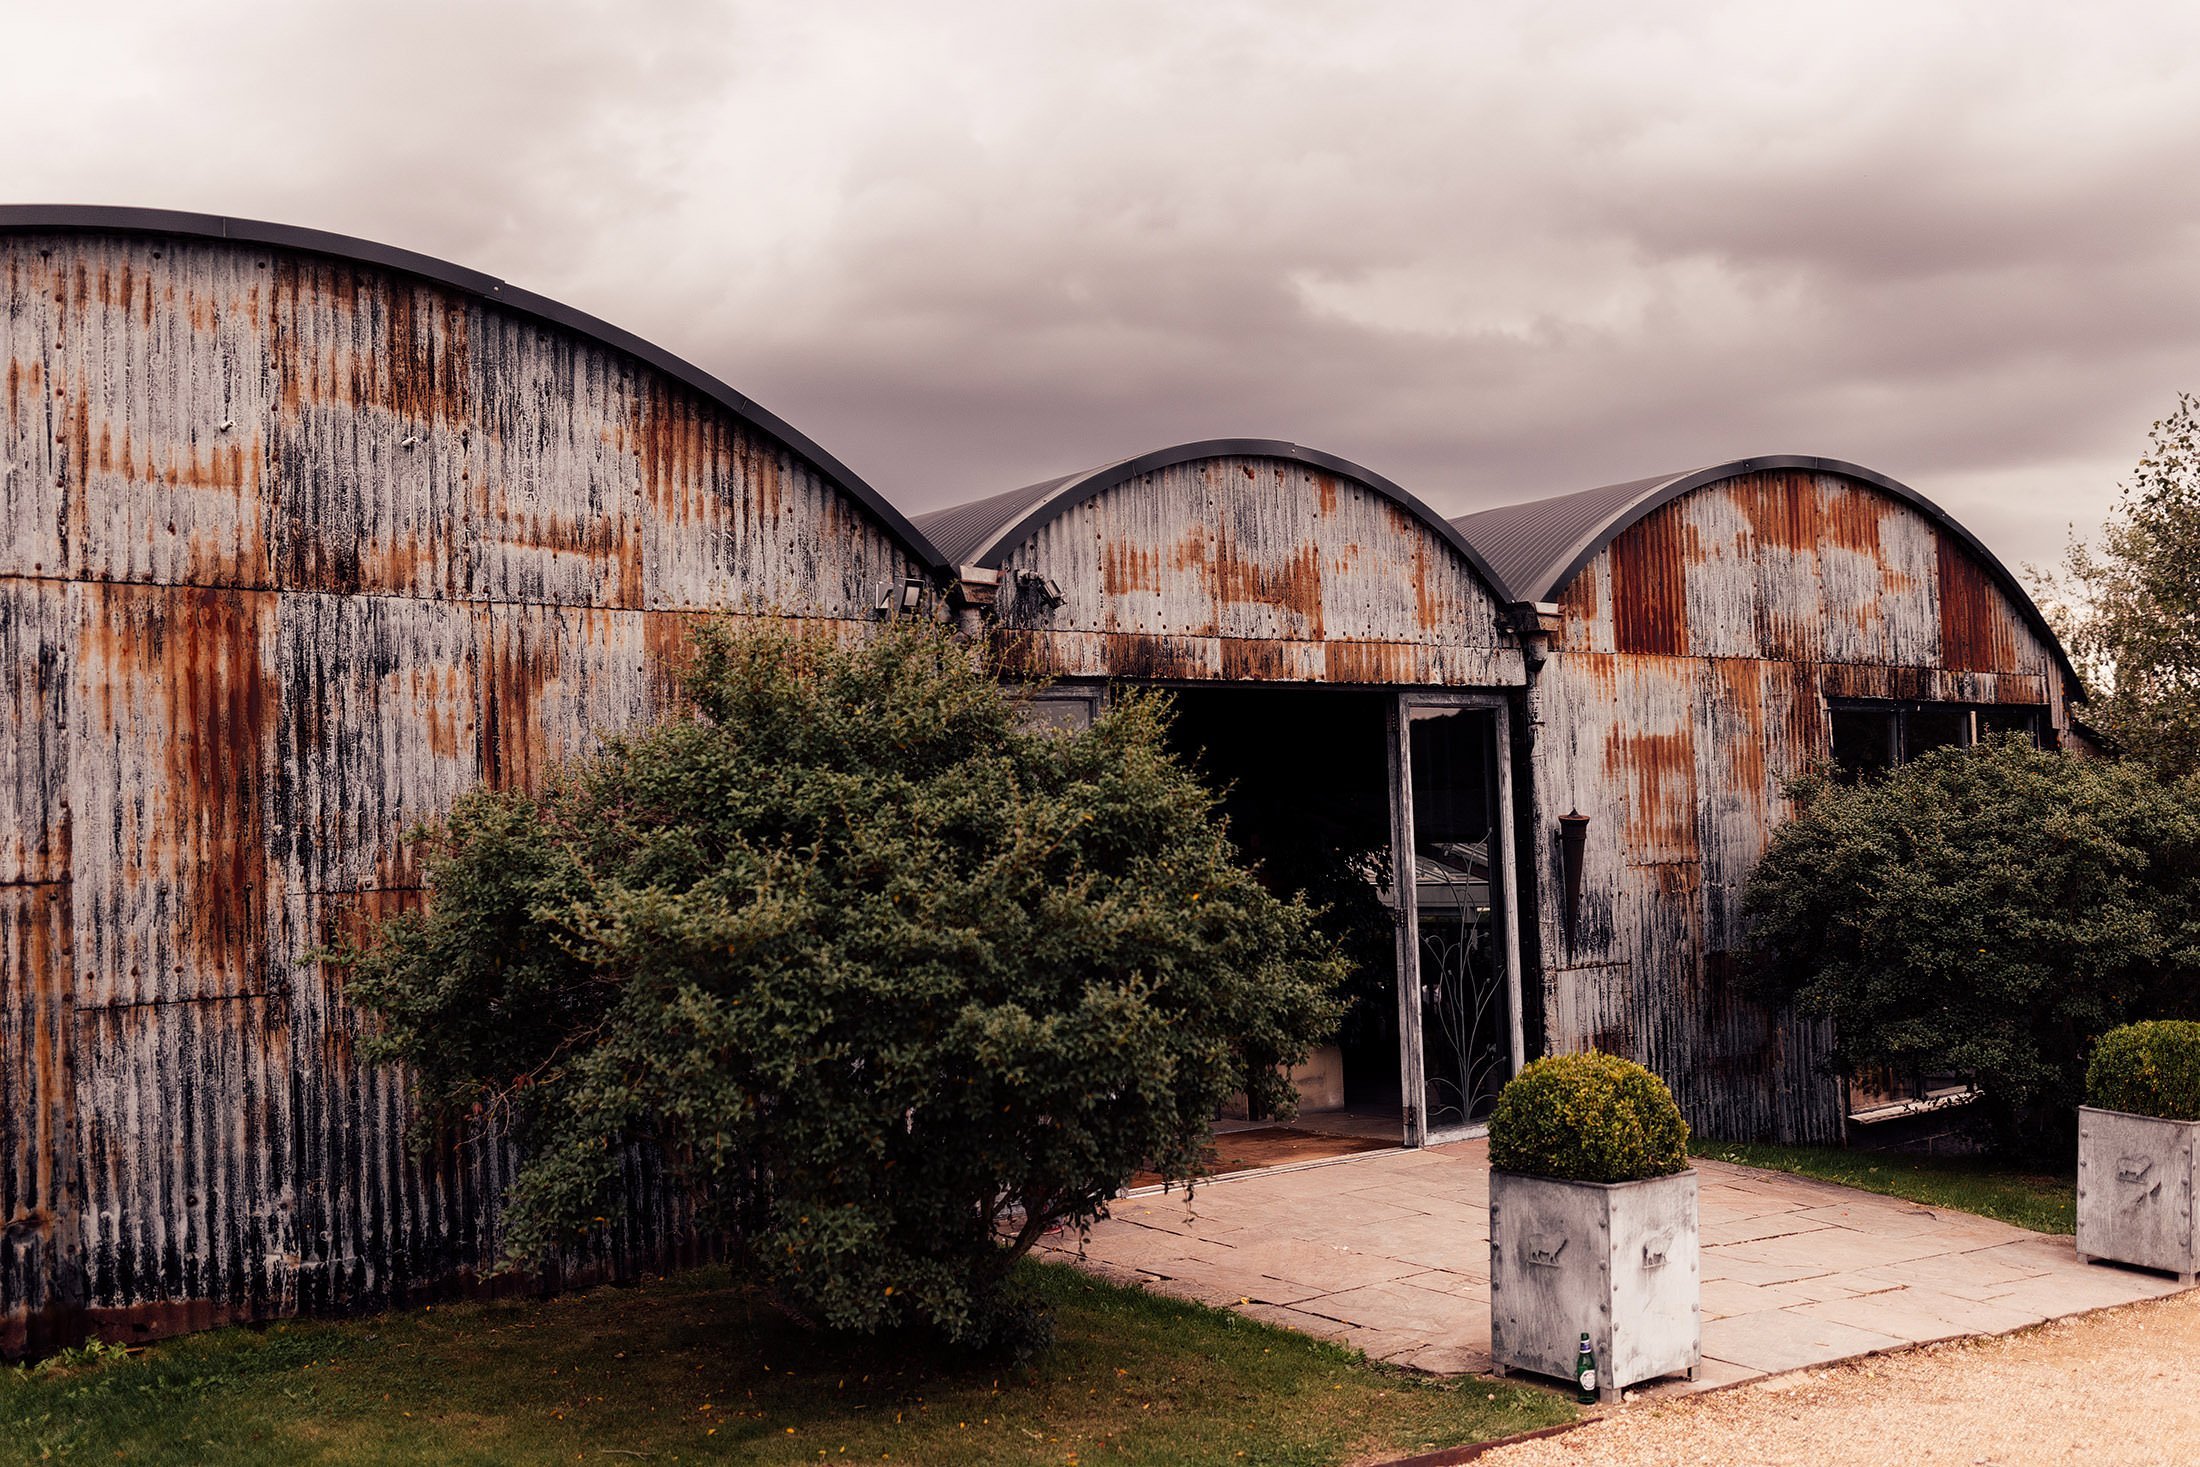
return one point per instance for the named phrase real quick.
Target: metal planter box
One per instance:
(1615, 1259)
(2135, 1180)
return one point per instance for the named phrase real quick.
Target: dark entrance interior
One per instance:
(1305, 781)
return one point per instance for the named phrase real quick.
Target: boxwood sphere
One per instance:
(2149, 1069)
(1588, 1118)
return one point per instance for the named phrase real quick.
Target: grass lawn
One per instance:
(2030, 1199)
(694, 1369)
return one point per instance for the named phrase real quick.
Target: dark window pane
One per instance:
(1863, 739)
(1936, 727)
(2024, 721)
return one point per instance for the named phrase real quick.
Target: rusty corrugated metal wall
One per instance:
(1685, 685)
(1245, 568)
(295, 549)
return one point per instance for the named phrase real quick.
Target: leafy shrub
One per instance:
(1587, 1118)
(2150, 1069)
(894, 984)
(1987, 911)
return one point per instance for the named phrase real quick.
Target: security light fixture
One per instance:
(1031, 583)
(899, 598)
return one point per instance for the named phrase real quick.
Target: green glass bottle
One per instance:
(1585, 1372)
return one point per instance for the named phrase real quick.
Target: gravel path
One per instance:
(2120, 1386)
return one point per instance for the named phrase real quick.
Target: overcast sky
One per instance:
(1491, 250)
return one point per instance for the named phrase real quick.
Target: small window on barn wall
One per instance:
(2008, 720)
(1870, 737)
(1061, 708)
(1933, 726)
(1866, 740)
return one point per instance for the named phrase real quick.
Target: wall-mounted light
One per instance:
(899, 598)
(1573, 843)
(1042, 588)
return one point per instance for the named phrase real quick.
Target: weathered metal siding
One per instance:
(1686, 685)
(1249, 569)
(296, 550)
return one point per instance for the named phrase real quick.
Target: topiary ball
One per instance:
(1588, 1118)
(2149, 1069)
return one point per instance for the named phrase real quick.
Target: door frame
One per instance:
(1405, 904)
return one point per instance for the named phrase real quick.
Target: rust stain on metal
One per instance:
(1136, 655)
(37, 1144)
(669, 640)
(1369, 662)
(1852, 522)
(1246, 569)
(183, 685)
(1255, 576)
(1657, 774)
(1687, 683)
(1977, 633)
(307, 549)
(1017, 653)
(221, 717)
(1783, 509)
(1577, 605)
(1428, 610)
(1128, 568)
(512, 681)
(1649, 587)
(1740, 687)
(1248, 661)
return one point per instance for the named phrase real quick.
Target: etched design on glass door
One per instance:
(1466, 1026)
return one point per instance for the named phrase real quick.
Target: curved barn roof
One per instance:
(1540, 546)
(984, 531)
(104, 219)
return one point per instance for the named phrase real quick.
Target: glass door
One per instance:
(1459, 969)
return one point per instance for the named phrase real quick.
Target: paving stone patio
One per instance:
(1389, 1252)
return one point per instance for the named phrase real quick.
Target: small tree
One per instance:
(1989, 911)
(2130, 611)
(894, 983)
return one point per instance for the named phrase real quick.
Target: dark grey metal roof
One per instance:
(1539, 547)
(984, 531)
(961, 530)
(1532, 546)
(104, 219)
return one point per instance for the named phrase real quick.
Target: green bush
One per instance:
(1986, 912)
(2149, 1069)
(1588, 1118)
(893, 983)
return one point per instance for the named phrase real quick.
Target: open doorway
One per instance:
(1305, 782)
(1462, 1000)
(1312, 783)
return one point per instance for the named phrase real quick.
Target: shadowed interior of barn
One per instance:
(306, 535)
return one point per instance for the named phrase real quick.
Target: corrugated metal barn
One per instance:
(307, 535)
(1343, 658)
(303, 537)
(1705, 637)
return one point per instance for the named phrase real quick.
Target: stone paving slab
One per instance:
(1389, 1252)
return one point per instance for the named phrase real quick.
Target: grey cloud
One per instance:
(1493, 251)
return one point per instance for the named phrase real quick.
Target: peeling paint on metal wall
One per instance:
(1685, 688)
(1249, 569)
(296, 550)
